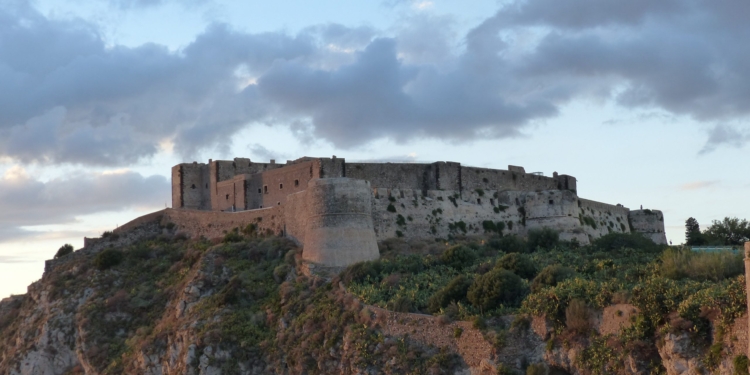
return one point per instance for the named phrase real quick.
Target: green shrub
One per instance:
(64, 250)
(740, 363)
(537, 369)
(480, 192)
(715, 266)
(359, 272)
(232, 236)
(391, 208)
(458, 257)
(108, 258)
(495, 288)
(545, 238)
(400, 221)
(401, 304)
(617, 241)
(479, 323)
(457, 331)
(250, 229)
(489, 226)
(111, 236)
(550, 276)
(280, 272)
(520, 264)
(455, 291)
(508, 244)
(578, 317)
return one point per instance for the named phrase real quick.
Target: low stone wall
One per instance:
(212, 224)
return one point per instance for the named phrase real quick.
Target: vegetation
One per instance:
(727, 232)
(64, 250)
(492, 278)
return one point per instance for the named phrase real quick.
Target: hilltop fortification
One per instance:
(338, 210)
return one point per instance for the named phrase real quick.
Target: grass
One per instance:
(683, 263)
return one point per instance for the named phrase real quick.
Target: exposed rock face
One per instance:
(680, 356)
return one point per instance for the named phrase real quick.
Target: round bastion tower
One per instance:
(338, 229)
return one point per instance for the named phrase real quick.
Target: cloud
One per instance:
(73, 99)
(26, 202)
(697, 185)
(264, 154)
(721, 135)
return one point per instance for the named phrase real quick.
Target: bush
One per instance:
(740, 363)
(359, 272)
(458, 257)
(232, 236)
(578, 317)
(508, 244)
(455, 291)
(550, 276)
(545, 238)
(401, 304)
(496, 287)
(715, 266)
(617, 241)
(108, 258)
(64, 250)
(520, 264)
(537, 369)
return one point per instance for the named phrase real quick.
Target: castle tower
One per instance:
(650, 223)
(339, 229)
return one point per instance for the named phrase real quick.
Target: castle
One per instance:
(338, 211)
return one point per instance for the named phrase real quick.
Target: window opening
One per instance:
(193, 187)
(227, 196)
(259, 191)
(551, 201)
(281, 186)
(479, 201)
(265, 189)
(296, 183)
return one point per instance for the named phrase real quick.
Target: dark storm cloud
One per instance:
(71, 99)
(25, 201)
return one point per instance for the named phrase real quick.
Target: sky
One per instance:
(644, 102)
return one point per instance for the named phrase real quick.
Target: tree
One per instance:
(730, 231)
(693, 235)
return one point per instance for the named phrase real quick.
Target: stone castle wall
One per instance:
(598, 219)
(412, 200)
(650, 223)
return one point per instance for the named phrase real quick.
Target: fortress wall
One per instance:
(394, 175)
(276, 185)
(296, 214)
(473, 178)
(225, 195)
(447, 175)
(223, 170)
(212, 224)
(606, 218)
(650, 223)
(435, 215)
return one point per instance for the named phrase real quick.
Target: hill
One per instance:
(167, 304)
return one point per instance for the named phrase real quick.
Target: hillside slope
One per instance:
(164, 304)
